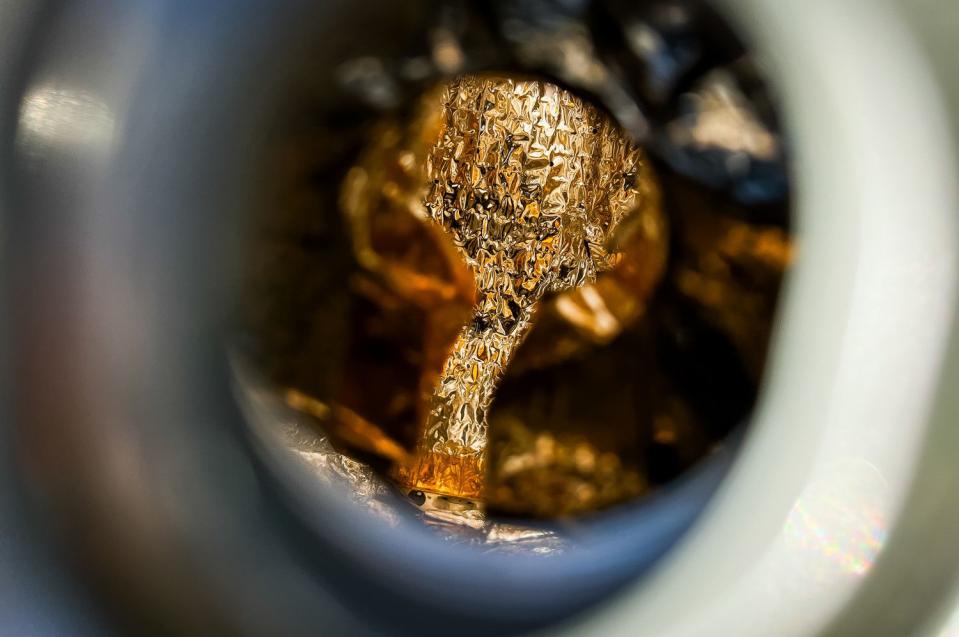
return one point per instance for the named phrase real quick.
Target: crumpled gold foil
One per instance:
(600, 401)
(530, 182)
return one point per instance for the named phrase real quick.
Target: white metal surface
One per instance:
(800, 523)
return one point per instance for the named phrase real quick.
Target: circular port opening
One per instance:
(507, 298)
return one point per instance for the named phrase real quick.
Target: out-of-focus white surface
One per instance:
(799, 524)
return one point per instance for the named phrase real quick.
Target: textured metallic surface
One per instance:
(404, 293)
(675, 290)
(530, 182)
(688, 299)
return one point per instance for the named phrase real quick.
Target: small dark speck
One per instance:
(480, 323)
